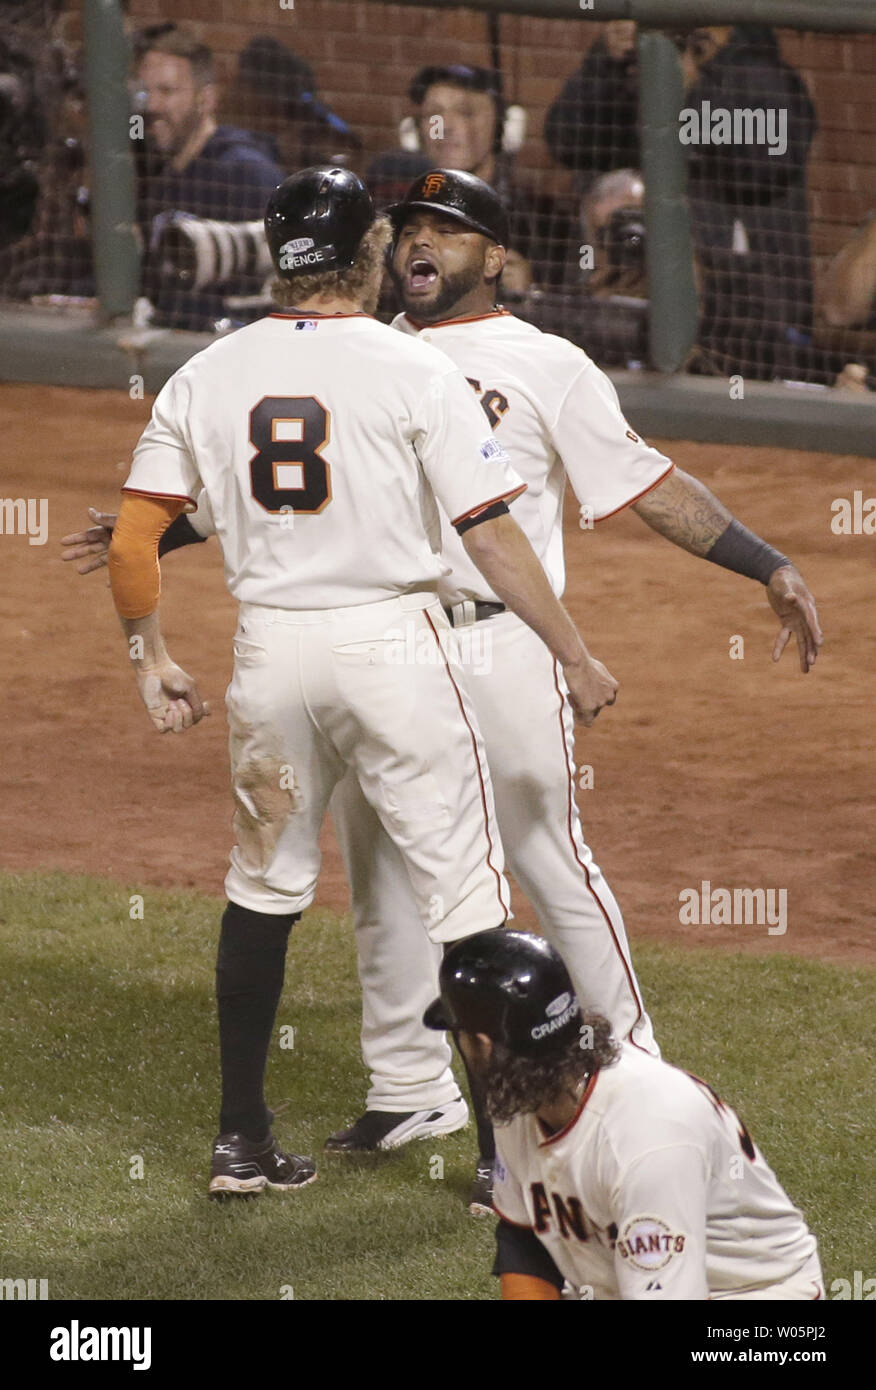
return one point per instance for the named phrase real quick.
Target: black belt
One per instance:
(482, 610)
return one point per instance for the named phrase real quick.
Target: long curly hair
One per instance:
(354, 283)
(517, 1085)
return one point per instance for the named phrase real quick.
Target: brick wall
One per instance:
(364, 55)
(840, 72)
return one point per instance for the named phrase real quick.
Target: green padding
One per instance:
(111, 160)
(842, 16)
(41, 347)
(700, 408)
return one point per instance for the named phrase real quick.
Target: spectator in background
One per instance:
(849, 296)
(748, 206)
(191, 164)
(603, 306)
(593, 126)
(748, 203)
(22, 138)
(612, 222)
(45, 246)
(390, 175)
(845, 334)
(276, 90)
(462, 122)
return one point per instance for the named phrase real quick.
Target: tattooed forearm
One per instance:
(684, 511)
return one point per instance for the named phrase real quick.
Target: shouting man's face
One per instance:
(439, 262)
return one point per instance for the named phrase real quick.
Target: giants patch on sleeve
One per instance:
(648, 1243)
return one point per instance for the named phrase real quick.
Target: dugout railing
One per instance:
(756, 379)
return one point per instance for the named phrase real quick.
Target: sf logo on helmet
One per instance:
(433, 184)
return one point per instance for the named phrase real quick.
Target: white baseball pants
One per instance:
(519, 696)
(373, 689)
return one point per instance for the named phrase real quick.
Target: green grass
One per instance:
(109, 1052)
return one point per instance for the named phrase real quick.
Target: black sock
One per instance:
(250, 966)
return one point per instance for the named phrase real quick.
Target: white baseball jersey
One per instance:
(553, 410)
(322, 494)
(555, 414)
(654, 1190)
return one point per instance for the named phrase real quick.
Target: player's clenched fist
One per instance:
(591, 686)
(171, 697)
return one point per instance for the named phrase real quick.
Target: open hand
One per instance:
(91, 546)
(794, 606)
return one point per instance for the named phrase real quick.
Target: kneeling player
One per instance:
(617, 1173)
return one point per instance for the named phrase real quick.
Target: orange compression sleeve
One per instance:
(135, 576)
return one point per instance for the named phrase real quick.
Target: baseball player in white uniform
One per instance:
(557, 416)
(617, 1176)
(324, 443)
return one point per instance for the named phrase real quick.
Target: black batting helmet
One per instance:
(315, 221)
(456, 194)
(510, 985)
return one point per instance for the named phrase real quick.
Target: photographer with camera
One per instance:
(613, 223)
(603, 304)
(747, 198)
(191, 165)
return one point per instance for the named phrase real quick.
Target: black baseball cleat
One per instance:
(480, 1198)
(389, 1129)
(242, 1169)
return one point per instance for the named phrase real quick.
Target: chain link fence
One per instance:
(229, 96)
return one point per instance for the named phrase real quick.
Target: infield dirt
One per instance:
(735, 772)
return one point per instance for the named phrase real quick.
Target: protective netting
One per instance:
(44, 201)
(776, 129)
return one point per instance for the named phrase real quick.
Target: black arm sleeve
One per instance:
(488, 514)
(741, 550)
(519, 1251)
(179, 532)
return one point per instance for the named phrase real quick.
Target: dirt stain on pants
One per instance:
(265, 795)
